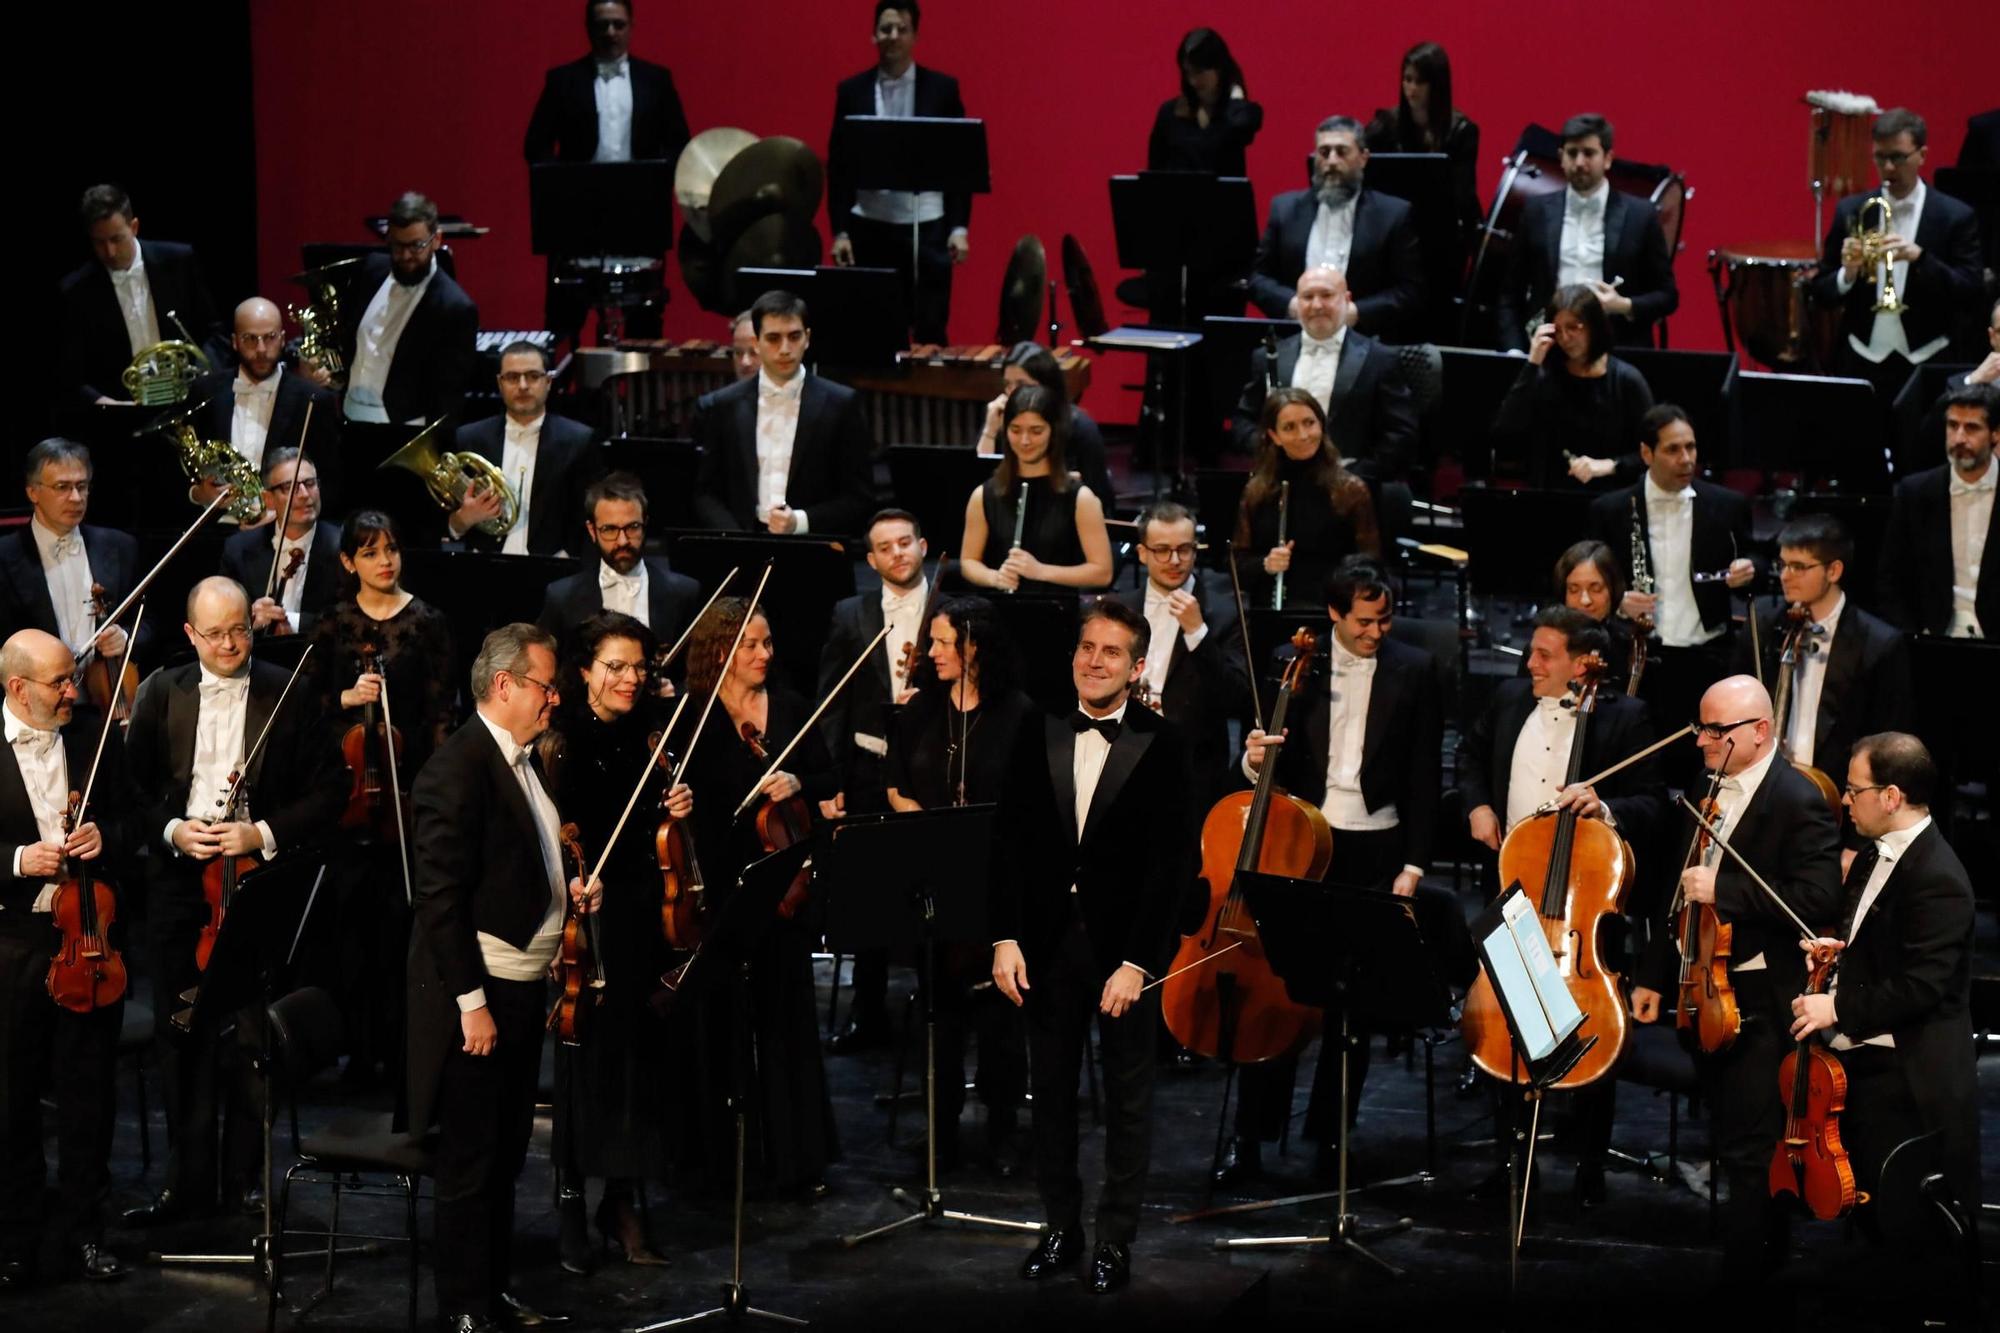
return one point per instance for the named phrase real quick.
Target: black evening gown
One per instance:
(1049, 534)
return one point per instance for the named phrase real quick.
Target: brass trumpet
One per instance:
(1875, 251)
(448, 474)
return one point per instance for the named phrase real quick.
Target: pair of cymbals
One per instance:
(749, 203)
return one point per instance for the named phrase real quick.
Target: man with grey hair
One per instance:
(49, 565)
(1339, 224)
(491, 896)
(258, 406)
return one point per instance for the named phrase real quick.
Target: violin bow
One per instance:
(1243, 624)
(291, 493)
(243, 771)
(749, 614)
(1549, 807)
(659, 747)
(681, 642)
(1805, 931)
(91, 782)
(395, 783)
(139, 589)
(792, 744)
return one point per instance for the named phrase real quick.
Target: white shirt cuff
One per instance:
(961, 233)
(1418, 871)
(168, 836)
(800, 526)
(17, 861)
(270, 839)
(472, 999)
(1140, 970)
(998, 943)
(1193, 637)
(1842, 283)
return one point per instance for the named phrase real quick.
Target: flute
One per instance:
(1284, 511)
(1020, 521)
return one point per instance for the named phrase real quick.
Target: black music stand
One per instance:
(916, 155)
(1188, 223)
(1829, 432)
(1476, 381)
(1701, 382)
(854, 321)
(883, 874)
(1423, 180)
(1357, 950)
(736, 925)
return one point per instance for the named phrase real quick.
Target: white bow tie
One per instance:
(1586, 204)
(65, 546)
(1985, 483)
(615, 69)
(1353, 666)
(30, 738)
(263, 387)
(607, 577)
(784, 393)
(226, 685)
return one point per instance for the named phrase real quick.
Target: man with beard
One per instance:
(257, 405)
(1338, 224)
(624, 579)
(1940, 524)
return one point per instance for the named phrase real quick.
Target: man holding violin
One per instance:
(42, 1043)
(193, 729)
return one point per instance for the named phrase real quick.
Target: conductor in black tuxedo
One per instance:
(192, 727)
(408, 331)
(490, 900)
(260, 405)
(1093, 857)
(622, 578)
(1340, 224)
(1934, 576)
(126, 298)
(1593, 234)
(1357, 379)
(307, 558)
(1933, 259)
(548, 460)
(52, 561)
(785, 451)
(872, 227)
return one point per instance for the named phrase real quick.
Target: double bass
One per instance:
(1810, 1162)
(1576, 871)
(1799, 629)
(1705, 1003)
(1221, 998)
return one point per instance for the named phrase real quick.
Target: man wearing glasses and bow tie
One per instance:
(548, 460)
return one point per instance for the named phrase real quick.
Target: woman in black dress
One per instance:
(1573, 417)
(1328, 517)
(1426, 120)
(791, 1132)
(376, 623)
(1211, 123)
(1063, 542)
(613, 1112)
(950, 747)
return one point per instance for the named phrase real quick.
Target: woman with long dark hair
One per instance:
(1211, 122)
(1031, 363)
(1329, 514)
(1063, 541)
(1427, 120)
(1572, 416)
(1588, 579)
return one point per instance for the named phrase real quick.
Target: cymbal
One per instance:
(1021, 292)
(775, 175)
(1086, 307)
(701, 162)
(772, 241)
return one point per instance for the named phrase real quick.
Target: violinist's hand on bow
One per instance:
(1698, 884)
(779, 785)
(680, 801)
(85, 843)
(1010, 970)
(111, 641)
(1645, 1004)
(240, 838)
(367, 689)
(588, 899)
(1581, 799)
(267, 613)
(1256, 743)
(1741, 572)
(198, 839)
(1121, 991)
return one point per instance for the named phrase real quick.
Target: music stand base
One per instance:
(735, 1307)
(933, 1210)
(1351, 1237)
(1259, 1205)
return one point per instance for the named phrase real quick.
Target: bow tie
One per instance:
(782, 394)
(1316, 347)
(901, 602)
(247, 386)
(225, 685)
(30, 738)
(1553, 707)
(1985, 483)
(1584, 205)
(1353, 666)
(1106, 727)
(65, 546)
(615, 69)
(607, 577)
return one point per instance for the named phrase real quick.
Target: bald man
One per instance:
(258, 406)
(41, 1043)
(1358, 381)
(1781, 825)
(192, 726)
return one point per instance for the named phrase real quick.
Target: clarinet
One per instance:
(1271, 381)
(1020, 520)
(1284, 510)
(1642, 582)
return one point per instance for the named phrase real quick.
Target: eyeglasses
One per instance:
(1183, 552)
(1801, 566)
(59, 684)
(411, 247)
(548, 688)
(631, 531)
(623, 670)
(523, 376)
(303, 483)
(1854, 791)
(1715, 731)
(76, 488)
(215, 638)
(261, 339)
(1894, 159)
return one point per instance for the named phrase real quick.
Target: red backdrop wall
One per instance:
(359, 101)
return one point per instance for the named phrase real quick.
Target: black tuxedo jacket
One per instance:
(1790, 836)
(1618, 727)
(297, 782)
(1374, 417)
(868, 703)
(1399, 747)
(1913, 586)
(1867, 686)
(1132, 863)
(567, 462)
(247, 557)
(1942, 289)
(1385, 272)
(832, 476)
(672, 600)
(478, 868)
(1635, 248)
(217, 419)
(109, 802)
(1908, 972)
(432, 367)
(95, 347)
(564, 125)
(1721, 533)
(1205, 687)
(24, 585)
(936, 95)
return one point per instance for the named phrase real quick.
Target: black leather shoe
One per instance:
(1110, 1268)
(1058, 1250)
(96, 1264)
(167, 1207)
(1589, 1185)
(1242, 1160)
(15, 1275)
(250, 1200)
(517, 1313)
(862, 1035)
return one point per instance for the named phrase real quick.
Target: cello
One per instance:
(1220, 998)
(1705, 1004)
(1579, 870)
(1799, 627)
(576, 959)
(1809, 1162)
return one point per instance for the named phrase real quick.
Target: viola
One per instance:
(221, 876)
(682, 901)
(576, 964)
(1220, 997)
(370, 747)
(1809, 1162)
(107, 693)
(1705, 1004)
(1798, 628)
(1576, 871)
(86, 973)
(782, 824)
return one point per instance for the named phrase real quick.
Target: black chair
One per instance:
(1654, 1058)
(307, 1037)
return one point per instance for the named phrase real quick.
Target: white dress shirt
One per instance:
(1889, 849)
(1330, 242)
(220, 746)
(518, 451)
(66, 566)
(1580, 255)
(903, 613)
(1670, 530)
(1732, 796)
(45, 773)
(382, 324)
(250, 421)
(135, 303)
(1318, 363)
(502, 959)
(1808, 681)
(294, 592)
(777, 430)
(1971, 517)
(897, 98)
(1887, 334)
(613, 90)
(1539, 766)
(1160, 656)
(1350, 686)
(626, 593)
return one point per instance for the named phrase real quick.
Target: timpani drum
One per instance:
(1760, 292)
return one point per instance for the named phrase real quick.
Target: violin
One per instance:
(782, 824)
(1705, 1007)
(221, 876)
(97, 677)
(1809, 1162)
(86, 973)
(366, 746)
(1799, 627)
(1142, 694)
(1576, 871)
(1235, 1008)
(576, 964)
(682, 901)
